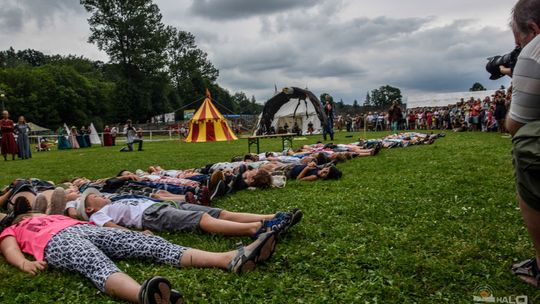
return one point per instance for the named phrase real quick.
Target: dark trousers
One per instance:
(130, 145)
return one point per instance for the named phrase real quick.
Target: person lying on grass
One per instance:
(312, 172)
(128, 183)
(188, 173)
(36, 192)
(143, 213)
(64, 243)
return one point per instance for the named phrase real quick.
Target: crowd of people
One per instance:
(82, 224)
(485, 115)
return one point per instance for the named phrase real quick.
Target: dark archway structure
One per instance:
(272, 106)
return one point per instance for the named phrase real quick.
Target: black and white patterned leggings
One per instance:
(88, 249)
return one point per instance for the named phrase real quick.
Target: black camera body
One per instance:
(507, 60)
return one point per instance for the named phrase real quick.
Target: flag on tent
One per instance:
(208, 124)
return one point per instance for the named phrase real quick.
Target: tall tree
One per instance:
(130, 32)
(187, 65)
(367, 101)
(384, 96)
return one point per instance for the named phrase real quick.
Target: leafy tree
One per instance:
(130, 32)
(355, 105)
(367, 101)
(384, 96)
(477, 86)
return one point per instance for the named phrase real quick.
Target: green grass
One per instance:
(425, 224)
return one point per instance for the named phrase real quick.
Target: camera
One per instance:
(508, 60)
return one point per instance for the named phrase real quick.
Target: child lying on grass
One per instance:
(144, 213)
(65, 243)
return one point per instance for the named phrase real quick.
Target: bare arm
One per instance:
(110, 224)
(511, 125)
(14, 256)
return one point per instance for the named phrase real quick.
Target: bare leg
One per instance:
(122, 286)
(203, 259)
(532, 221)
(219, 226)
(169, 197)
(244, 217)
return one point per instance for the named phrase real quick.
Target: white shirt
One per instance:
(124, 212)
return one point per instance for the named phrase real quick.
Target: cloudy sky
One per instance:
(343, 47)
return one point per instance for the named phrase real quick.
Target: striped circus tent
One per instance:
(208, 124)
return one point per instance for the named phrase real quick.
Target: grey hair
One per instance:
(524, 12)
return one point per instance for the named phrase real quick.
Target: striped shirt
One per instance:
(525, 106)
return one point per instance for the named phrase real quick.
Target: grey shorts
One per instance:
(526, 159)
(179, 217)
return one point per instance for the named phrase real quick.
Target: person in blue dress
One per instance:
(80, 137)
(63, 142)
(22, 129)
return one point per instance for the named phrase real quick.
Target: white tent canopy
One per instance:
(444, 99)
(305, 113)
(94, 136)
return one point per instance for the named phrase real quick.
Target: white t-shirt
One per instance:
(124, 212)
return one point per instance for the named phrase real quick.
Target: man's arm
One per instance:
(511, 125)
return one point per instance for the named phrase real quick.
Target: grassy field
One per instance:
(425, 224)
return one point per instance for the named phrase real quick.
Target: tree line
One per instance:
(153, 69)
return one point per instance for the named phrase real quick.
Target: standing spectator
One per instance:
(80, 137)
(183, 131)
(310, 128)
(131, 137)
(429, 120)
(394, 116)
(412, 120)
(63, 141)
(73, 138)
(8, 144)
(329, 111)
(500, 112)
(86, 136)
(523, 123)
(22, 129)
(107, 137)
(114, 133)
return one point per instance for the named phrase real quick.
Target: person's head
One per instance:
(330, 172)
(123, 172)
(525, 21)
(128, 122)
(79, 181)
(91, 201)
(5, 114)
(22, 120)
(321, 159)
(250, 157)
(258, 178)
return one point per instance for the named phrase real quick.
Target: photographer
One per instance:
(131, 137)
(523, 123)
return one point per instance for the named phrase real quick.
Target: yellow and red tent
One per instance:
(208, 124)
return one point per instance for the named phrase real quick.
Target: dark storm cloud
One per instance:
(15, 13)
(11, 19)
(235, 9)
